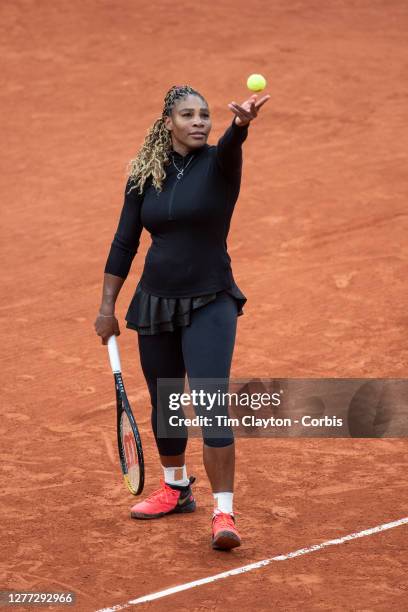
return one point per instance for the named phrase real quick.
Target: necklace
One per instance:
(180, 172)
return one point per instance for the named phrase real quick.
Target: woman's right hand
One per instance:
(106, 326)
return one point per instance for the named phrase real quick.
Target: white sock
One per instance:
(176, 475)
(223, 502)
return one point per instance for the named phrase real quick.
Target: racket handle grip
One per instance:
(114, 357)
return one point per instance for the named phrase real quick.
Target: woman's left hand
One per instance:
(248, 110)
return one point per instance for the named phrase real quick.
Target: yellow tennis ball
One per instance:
(256, 82)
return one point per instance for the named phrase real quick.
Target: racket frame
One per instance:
(122, 405)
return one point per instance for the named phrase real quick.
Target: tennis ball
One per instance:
(256, 82)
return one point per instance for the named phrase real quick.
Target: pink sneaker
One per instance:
(169, 499)
(224, 532)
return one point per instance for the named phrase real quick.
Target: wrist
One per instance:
(240, 124)
(107, 310)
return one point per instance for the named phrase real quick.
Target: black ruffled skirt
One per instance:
(150, 314)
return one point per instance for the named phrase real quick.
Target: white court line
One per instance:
(251, 566)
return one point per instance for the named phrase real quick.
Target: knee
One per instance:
(218, 442)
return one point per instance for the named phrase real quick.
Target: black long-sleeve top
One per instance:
(188, 222)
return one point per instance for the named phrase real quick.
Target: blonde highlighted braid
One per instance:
(154, 153)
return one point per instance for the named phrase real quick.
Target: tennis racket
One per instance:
(129, 442)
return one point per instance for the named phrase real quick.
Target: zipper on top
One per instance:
(178, 177)
(170, 218)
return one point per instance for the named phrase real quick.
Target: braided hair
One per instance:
(154, 153)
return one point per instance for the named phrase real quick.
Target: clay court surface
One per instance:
(318, 244)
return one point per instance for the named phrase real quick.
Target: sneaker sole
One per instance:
(226, 540)
(177, 510)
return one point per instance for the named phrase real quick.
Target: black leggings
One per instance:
(203, 349)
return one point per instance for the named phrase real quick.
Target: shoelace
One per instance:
(159, 493)
(224, 520)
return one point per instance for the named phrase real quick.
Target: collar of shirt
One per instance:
(184, 158)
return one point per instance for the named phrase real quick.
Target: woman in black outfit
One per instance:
(186, 304)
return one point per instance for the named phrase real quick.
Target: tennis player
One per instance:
(186, 303)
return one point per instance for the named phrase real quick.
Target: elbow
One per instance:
(125, 245)
(120, 257)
